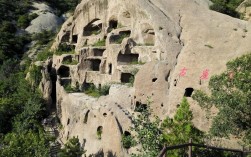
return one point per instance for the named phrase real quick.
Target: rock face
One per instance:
(46, 20)
(245, 9)
(168, 48)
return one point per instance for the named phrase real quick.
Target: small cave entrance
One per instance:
(86, 117)
(66, 37)
(110, 69)
(93, 28)
(98, 52)
(126, 77)
(113, 24)
(117, 39)
(139, 107)
(67, 59)
(154, 79)
(124, 59)
(188, 92)
(63, 71)
(94, 64)
(127, 133)
(99, 132)
(74, 38)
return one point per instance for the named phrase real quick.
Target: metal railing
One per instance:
(163, 152)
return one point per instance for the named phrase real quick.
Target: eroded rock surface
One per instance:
(145, 42)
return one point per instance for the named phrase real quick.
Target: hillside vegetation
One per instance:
(21, 105)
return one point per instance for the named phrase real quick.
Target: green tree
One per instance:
(231, 94)
(180, 129)
(24, 144)
(72, 149)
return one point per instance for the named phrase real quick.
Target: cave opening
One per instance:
(74, 38)
(124, 59)
(113, 24)
(126, 77)
(95, 64)
(110, 69)
(63, 71)
(188, 92)
(98, 52)
(93, 28)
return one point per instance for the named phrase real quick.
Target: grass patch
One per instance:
(96, 32)
(120, 25)
(70, 62)
(58, 52)
(120, 38)
(69, 89)
(136, 62)
(93, 91)
(99, 43)
(42, 56)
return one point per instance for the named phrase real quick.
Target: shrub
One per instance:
(120, 38)
(58, 52)
(69, 89)
(93, 91)
(23, 21)
(128, 141)
(99, 43)
(42, 56)
(70, 62)
(65, 47)
(226, 7)
(44, 37)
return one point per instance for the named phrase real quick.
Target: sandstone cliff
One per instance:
(157, 38)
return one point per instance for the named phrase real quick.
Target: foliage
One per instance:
(99, 134)
(226, 7)
(25, 19)
(42, 56)
(70, 62)
(24, 144)
(99, 43)
(65, 47)
(120, 38)
(128, 141)
(135, 62)
(44, 37)
(93, 91)
(21, 110)
(148, 134)
(35, 74)
(180, 129)
(153, 135)
(63, 6)
(231, 94)
(72, 149)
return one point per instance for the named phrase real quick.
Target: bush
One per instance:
(128, 141)
(23, 21)
(42, 56)
(44, 37)
(226, 7)
(93, 91)
(65, 47)
(99, 43)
